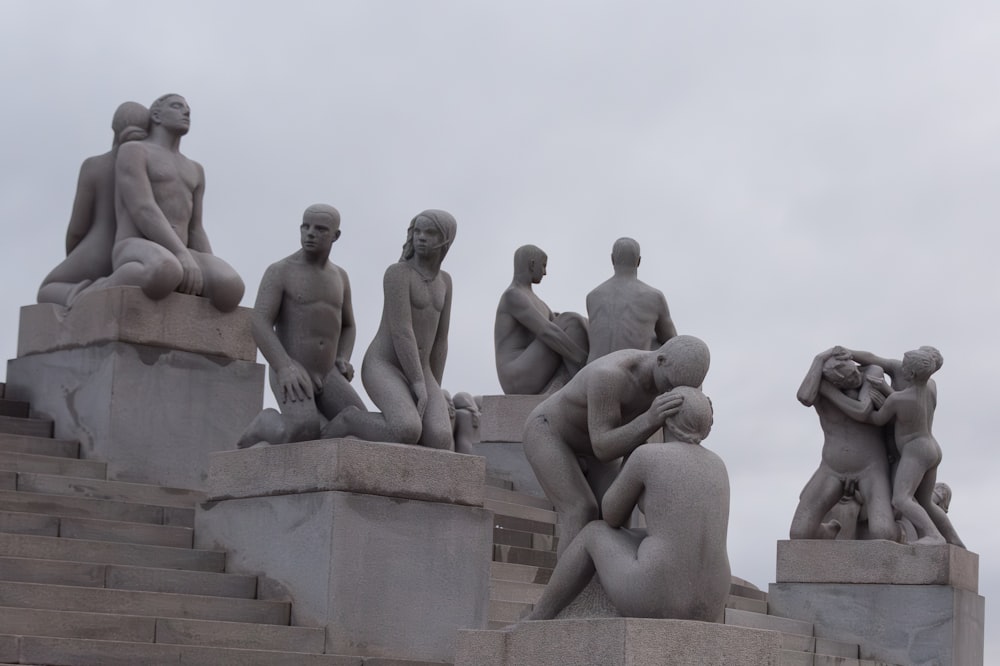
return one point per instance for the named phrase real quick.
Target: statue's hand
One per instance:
(192, 282)
(295, 383)
(345, 368)
(664, 406)
(878, 399)
(419, 390)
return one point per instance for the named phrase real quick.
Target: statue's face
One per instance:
(538, 269)
(427, 238)
(174, 115)
(844, 375)
(317, 234)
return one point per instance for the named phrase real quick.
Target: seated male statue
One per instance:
(678, 566)
(625, 312)
(537, 351)
(160, 244)
(575, 437)
(303, 323)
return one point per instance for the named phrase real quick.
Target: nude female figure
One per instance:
(91, 233)
(404, 364)
(911, 411)
(678, 567)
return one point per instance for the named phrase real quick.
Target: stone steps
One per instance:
(45, 446)
(20, 425)
(108, 552)
(47, 464)
(13, 408)
(119, 491)
(95, 529)
(85, 507)
(513, 497)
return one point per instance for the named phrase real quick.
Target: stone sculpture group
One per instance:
(610, 381)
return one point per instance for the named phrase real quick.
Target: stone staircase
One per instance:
(103, 573)
(524, 555)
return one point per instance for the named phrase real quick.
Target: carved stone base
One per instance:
(386, 546)
(619, 642)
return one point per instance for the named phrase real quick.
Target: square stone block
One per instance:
(505, 460)
(619, 642)
(124, 314)
(393, 470)
(916, 625)
(876, 561)
(386, 576)
(152, 413)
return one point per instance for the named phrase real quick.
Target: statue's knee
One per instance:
(161, 276)
(228, 292)
(408, 431)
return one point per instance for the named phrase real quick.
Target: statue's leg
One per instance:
(337, 394)
(398, 420)
(819, 496)
(267, 427)
(141, 263)
(558, 472)
(874, 488)
(600, 476)
(436, 431)
(925, 496)
(910, 479)
(223, 285)
(531, 371)
(577, 328)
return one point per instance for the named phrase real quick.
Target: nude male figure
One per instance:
(854, 454)
(537, 351)
(624, 311)
(574, 438)
(161, 245)
(303, 323)
(678, 567)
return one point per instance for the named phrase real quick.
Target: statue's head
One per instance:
(532, 260)
(694, 421)
(130, 123)
(440, 221)
(625, 253)
(320, 228)
(682, 361)
(842, 372)
(942, 496)
(171, 111)
(920, 364)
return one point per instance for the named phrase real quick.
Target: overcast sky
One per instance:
(799, 175)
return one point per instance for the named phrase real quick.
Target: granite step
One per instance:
(743, 618)
(521, 573)
(14, 408)
(516, 591)
(507, 612)
(497, 482)
(120, 491)
(521, 511)
(43, 464)
(83, 652)
(513, 497)
(43, 446)
(746, 604)
(523, 524)
(18, 425)
(524, 539)
(124, 577)
(95, 529)
(84, 507)
(747, 591)
(529, 556)
(108, 552)
(43, 596)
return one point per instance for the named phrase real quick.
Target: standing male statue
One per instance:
(303, 323)
(161, 245)
(537, 351)
(624, 311)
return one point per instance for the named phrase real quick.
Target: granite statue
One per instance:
(854, 453)
(161, 244)
(678, 566)
(90, 236)
(574, 439)
(624, 312)
(909, 408)
(404, 365)
(303, 323)
(468, 409)
(537, 350)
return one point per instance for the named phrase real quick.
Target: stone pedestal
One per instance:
(501, 425)
(619, 642)
(149, 387)
(386, 546)
(903, 604)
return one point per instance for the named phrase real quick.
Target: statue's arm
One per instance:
(809, 389)
(81, 218)
(892, 367)
(859, 410)
(294, 382)
(624, 492)
(609, 436)
(197, 238)
(135, 193)
(348, 329)
(439, 352)
(522, 310)
(665, 328)
(398, 314)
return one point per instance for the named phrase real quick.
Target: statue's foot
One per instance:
(930, 541)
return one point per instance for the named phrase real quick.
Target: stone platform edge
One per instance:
(618, 642)
(876, 562)
(348, 465)
(125, 314)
